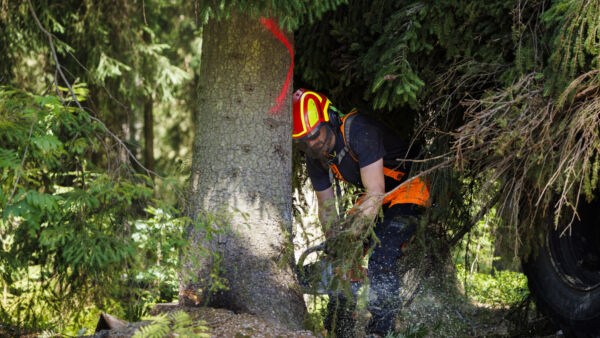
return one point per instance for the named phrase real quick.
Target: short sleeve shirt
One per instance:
(367, 141)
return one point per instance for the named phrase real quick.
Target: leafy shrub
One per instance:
(80, 230)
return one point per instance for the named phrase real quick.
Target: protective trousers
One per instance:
(397, 227)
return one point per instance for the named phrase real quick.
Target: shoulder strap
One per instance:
(345, 128)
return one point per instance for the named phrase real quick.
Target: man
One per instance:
(357, 150)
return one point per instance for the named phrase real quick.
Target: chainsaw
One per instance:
(317, 278)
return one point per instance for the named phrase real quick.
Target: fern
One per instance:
(178, 323)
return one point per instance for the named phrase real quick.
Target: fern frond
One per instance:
(159, 327)
(179, 323)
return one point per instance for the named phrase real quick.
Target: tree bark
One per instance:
(242, 164)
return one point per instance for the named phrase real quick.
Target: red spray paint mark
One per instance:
(272, 25)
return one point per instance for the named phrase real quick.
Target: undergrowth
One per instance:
(81, 230)
(500, 288)
(174, 324)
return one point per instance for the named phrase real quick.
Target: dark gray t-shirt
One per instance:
(369, 141)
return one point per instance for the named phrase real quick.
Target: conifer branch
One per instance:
(12, 194)
(74, 97)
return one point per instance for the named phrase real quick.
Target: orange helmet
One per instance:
(311, 110)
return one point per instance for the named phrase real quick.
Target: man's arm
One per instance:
(325, 199)
(374, 182)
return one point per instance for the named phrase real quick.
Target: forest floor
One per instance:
(220, 323)
(434, 305)
(430, 318)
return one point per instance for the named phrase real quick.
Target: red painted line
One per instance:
(272, 25)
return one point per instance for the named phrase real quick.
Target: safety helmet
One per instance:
(311, 109)
(310, 114)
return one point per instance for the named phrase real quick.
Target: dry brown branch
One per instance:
(541, 151)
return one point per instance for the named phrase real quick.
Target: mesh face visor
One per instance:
(318, 143)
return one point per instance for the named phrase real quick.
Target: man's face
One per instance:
(320, 144)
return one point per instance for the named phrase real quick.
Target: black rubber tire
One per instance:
(564, 277)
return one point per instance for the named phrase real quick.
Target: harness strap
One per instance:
(333, 170)
(345, 128)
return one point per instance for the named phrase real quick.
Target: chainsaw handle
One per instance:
(318, 247)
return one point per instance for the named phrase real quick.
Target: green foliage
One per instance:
(477, 250)
(502, 288)
(290, 14)
(72, 205)
(388, 51)
(128, 54)
(575, 42)
(317, 312)
(476, 258)
(413, 331)
(177, 323)
(159, 239)
(57, 214)
(75, 236)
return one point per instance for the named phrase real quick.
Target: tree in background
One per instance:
(80, 228)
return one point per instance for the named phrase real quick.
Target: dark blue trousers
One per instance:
(398, 226)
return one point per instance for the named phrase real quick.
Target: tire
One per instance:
(564, 277)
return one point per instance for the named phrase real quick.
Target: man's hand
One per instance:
(355, 225)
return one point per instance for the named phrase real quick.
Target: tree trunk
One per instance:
(242, 164)
(148, 134)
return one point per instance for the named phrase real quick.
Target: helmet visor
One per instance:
(318, 143)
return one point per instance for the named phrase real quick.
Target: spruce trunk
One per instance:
(242, 163)
(149, 134)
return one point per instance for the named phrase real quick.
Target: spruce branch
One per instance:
(20, 170)
(50, 37)
(540, 150)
